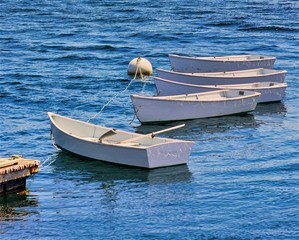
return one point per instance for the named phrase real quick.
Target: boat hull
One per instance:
(223, 78)
(154, 109)
(174, 152)
(270, 91)
(219, 64)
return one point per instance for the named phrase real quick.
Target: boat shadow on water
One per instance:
(202, 126)
(91, 170)
(277, 108)
(215, 124)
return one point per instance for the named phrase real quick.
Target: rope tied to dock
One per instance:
(48, 162)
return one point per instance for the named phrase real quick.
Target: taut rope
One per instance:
(138, 68)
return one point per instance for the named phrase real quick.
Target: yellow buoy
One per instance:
(139, 66)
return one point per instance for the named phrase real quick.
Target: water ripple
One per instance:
(71, 57)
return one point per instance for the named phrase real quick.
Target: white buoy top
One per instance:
(141, 66)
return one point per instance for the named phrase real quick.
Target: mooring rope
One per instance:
(134, 116)
(48, 162)
(48, 165)
(49, 158)
(52, 141)
(138, 68)
(111, 99)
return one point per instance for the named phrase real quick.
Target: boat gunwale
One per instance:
(217, 74)
(142, 147)
(226, 86)
(168, 98)
(216, 58)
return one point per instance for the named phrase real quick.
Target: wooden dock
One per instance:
(14, 172)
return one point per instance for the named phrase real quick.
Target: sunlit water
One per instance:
(71, 57)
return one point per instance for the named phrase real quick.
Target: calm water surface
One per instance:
(71, 57)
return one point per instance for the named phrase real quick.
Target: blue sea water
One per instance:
(71, 57)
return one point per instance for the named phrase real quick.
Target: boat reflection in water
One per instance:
(271, 108)
(203, 126)
(73, 166)
(14, 206)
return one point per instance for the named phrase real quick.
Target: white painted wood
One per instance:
(270, 91)
(219, 64)
(223, 78)
(82, 138)
(192, 106)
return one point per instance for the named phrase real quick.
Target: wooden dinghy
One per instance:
(270, 91)
(192, 106)
(117, 146)
(223, 78)
(218, 64)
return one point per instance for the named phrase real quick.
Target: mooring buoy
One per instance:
(139, 66)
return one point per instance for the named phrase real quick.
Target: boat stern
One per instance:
(169, 154)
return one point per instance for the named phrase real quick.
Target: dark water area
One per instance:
(71, 57)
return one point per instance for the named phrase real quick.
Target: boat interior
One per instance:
(95, 133)
(208, 96)
(256, 85)
(243, 73)
(240, 57)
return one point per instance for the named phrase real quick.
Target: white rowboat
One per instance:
(117, 146)
(219, 64)
(270, 91)
(192, 106)
(223, 78)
